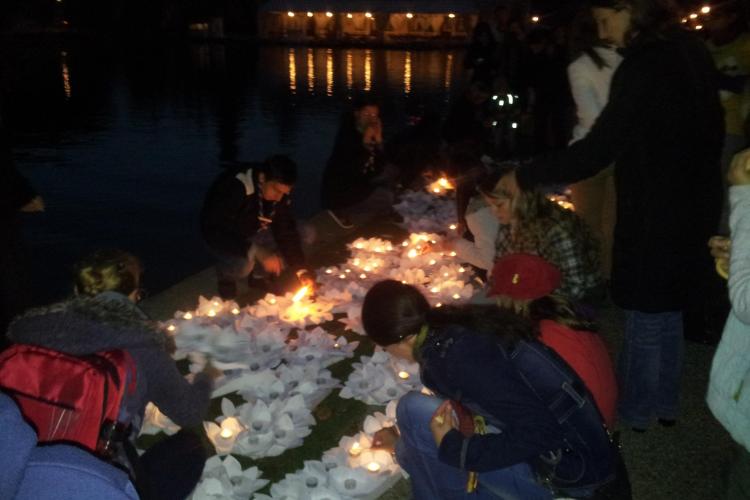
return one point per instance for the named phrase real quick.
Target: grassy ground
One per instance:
(684, 462)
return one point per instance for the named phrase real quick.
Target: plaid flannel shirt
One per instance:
(560, 249)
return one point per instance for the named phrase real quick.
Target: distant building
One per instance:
(379, 21)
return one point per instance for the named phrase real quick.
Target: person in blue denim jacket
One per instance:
(544, 435)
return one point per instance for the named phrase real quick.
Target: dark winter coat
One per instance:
(110, 321)
(663, 130)
(353, 171)
(229, 219)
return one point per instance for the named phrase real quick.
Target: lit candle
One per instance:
(373, 466)
(452, 227)
(272, 300)
(355, 450)
(188, 316)
(235, 311)
(363, 276)
(226, 433)
(461, 270)
(329, 271)
(412, 253)
(456, 296)
(342, 276)
(215, 303)
(435, 289)
(405, 243)
(347, 270)
(452, 254)
(211, 313)
(445, 275)
(438, 305)
(403, 375)
(171, 328)
(433, 262)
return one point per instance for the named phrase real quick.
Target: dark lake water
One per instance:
(122, 144)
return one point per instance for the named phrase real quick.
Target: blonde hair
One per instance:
(107, 271)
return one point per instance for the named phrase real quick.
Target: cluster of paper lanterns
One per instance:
(281, 377)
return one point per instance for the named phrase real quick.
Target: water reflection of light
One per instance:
(349, 70)
(368, 70)
(65, 74)
(448, 71)
(329, 72)
(407, 73)
(310, 71)
(292, 72)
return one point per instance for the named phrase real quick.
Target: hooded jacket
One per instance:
(111, 321)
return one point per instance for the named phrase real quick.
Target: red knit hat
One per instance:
(524, 277)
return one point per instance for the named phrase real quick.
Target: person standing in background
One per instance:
(590, 75)
(729, 44)
(663, 130)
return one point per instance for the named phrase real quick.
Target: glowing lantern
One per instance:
(373, 466)
(188, 315)
(355, 450)
(290, 14)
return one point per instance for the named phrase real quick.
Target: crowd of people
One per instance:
(525, 399)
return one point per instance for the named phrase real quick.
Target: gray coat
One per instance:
(110, 321)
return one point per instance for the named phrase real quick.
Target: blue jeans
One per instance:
(650, 367)
(431, 479)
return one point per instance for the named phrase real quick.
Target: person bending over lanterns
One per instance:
(509, 419)
(247, 218)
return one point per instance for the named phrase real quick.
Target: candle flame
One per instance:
(356, 449)
(188, 316)
(412, 253)
(373, 466)
(211, 313)
(403, 375)
(235, 311)
(300, 293)
(171, 328)
(452, 227)
(226, 433)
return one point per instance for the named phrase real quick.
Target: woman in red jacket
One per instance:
(526, 284)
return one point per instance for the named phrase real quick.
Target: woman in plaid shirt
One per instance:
(532, 224)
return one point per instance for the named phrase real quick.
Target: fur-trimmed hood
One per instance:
(85, 325)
